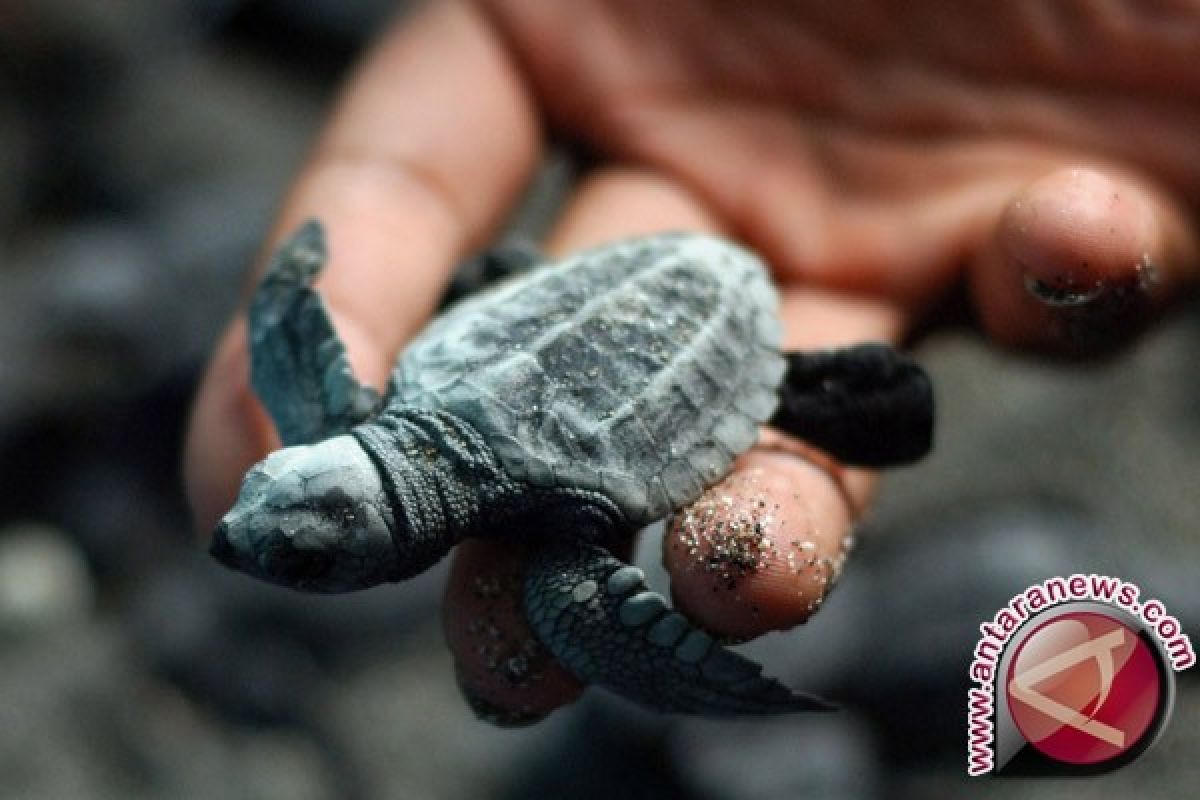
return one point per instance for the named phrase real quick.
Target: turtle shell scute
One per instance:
(639, 369)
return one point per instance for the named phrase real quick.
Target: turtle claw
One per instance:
(596, 616)
(298, 365)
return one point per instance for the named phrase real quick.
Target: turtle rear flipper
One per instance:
(505, 260)
(597, 617)
(868, 405)
(298, 365)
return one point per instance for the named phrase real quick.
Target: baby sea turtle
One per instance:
(568, 406)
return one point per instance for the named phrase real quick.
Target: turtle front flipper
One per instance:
(298, 365)
(868, 405)
(597, 617)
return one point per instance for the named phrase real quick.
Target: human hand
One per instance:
(1042, 153)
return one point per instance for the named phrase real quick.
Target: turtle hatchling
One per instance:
(567, 406)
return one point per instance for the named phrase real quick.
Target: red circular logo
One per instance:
(1083, 688)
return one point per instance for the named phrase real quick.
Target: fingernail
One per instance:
(1063, 294)
(488, 711)
(1107, 314)
(1080, 241)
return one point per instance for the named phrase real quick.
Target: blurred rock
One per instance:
(1117, 437)
(264, 654)
(105, 310)
(128, 30)
(16, 149)
(414, 736)
(80, 719)
(199, 116)
(602, 747)
(290, 766)
(818, 756)
(354, 21)
(1168, 771)
(44, 583)
(932, 585)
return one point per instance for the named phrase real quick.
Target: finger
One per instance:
(761, 550)
(870, 213)
(1079, 260)
(507, 676)
(859, 212)
(483, 631)
(618, 203)
(429, 143)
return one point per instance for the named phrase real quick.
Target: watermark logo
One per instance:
(1074, 676)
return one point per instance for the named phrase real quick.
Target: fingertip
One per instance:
(761, 550)
(1077, 261)
(1075, 227)
(506, 675)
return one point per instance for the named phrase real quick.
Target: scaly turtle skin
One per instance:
(569, 405)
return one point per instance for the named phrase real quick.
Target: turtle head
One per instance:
(311, 517)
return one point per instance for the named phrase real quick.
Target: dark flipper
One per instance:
(867, 405)
(510, 257)
(298, 365)
(597, 617)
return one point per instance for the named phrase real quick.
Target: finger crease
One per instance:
(407, 176)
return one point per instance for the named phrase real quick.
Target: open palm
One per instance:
(875, 153)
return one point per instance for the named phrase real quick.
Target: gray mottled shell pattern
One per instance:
(639, 370)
